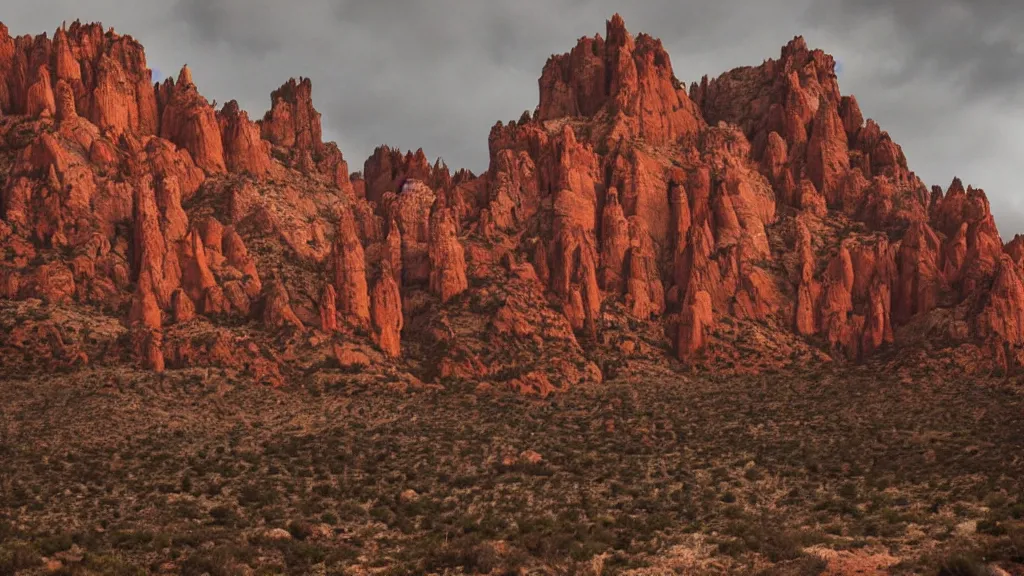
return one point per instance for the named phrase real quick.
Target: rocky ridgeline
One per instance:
(758, 206)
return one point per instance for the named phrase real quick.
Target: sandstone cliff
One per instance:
(753, 221)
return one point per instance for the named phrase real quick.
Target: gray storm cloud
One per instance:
(944, 77)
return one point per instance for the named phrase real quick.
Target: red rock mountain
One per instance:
(754, 221)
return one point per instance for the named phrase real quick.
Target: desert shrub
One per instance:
(131, 540)
(1009, 547)
(775, 545)
(848, 491)
(224, 516)
(109, 565)
(809, 565)
(963, 566)
(221, 561)
(188, 509)
(299, 556)
(299, 529)
(468, 553)
(18, 556)
(257, 495)
(57, 543)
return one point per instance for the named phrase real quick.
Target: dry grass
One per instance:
(113, 473)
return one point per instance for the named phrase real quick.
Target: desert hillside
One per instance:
(726, 321)
(753, 222)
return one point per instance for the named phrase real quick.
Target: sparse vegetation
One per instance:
(727, 474)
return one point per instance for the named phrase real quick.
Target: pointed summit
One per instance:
(188, 120)
(185, 77)
(797, 44)
(615, 30)
(292, 121)
(632, 81)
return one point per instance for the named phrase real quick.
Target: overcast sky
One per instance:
(944, 77)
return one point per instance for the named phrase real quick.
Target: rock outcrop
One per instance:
(447, 258)
(292, 122)
(696, 321)
(645, 294)
(188, 120)
(410, 210)
(388, 169)
(386, 309)
(106, 73)
(353, 297)
(752, 221)
(277, 308)
(244, 149)
(630, 80)
(328, 309)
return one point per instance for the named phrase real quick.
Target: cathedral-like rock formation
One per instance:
(244, 149)
(762, 202)
(388, 169)
(615, 244)
(697, 318)
(328, 309)
(353, 298)
(277, 309)
(386, 312)
(189, 121)
(106, 73)
(40, 100)
(410, 211)
(630, 80)
(447, 257)
(645, 294)
(292, 122)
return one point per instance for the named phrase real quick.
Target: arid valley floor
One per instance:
(827, 473)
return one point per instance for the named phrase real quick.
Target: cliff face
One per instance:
(757, 207)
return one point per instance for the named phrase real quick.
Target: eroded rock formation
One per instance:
(759, 206)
